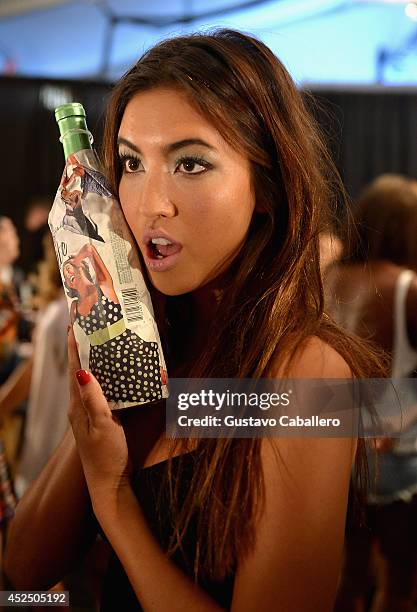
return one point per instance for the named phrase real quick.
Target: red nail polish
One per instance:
(83, 377)
(68, 329)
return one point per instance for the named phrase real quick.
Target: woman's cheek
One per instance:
(123, 199)
(129, 214)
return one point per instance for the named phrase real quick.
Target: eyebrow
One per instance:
(174, 146)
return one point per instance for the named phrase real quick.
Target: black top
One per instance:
(117, 592)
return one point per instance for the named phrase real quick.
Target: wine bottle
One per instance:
(109, 303)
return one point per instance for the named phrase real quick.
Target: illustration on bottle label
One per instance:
(76, 183)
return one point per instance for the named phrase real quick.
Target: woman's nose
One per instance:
(156, 197)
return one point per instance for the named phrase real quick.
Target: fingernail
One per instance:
(68, 329)
(83, 377)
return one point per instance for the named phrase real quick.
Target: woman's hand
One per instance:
(100, 439)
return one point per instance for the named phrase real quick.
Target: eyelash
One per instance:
(196, 159)
(124, 157)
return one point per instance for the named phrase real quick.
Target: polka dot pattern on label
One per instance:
(124, 365)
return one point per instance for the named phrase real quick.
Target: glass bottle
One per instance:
(109, 303)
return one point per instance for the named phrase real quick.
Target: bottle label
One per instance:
(110, 307)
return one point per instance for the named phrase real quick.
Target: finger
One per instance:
(77, 414)
(92, 397)
(73, 363)
(73, 358)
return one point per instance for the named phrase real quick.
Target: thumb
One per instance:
(92, 396)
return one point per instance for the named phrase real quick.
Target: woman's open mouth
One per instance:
(160, 254)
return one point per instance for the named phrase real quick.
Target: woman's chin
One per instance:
(173, 286)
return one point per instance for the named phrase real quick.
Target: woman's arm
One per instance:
(299, 536)
(53, 525)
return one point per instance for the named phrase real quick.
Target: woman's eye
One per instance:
(130, 164)
(190, 165)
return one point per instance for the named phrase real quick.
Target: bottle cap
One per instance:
(73, 128)
(73, 109)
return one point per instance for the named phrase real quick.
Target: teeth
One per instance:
(162, 241)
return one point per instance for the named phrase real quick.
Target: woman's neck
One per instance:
(205, 302)
(192, 331)
(195, 336)
(88, 291)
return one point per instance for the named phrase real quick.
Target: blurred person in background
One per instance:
(46, 419)
(15, 338)
(7, 501)
(9, 355)
(373, 292)
(42, 382)
(35, 227)
(330, 250)
(45, 385)
(9, 307)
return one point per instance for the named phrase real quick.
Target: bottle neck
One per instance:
(74, 135)
(75, 142)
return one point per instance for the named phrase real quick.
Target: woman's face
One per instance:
(75, 277)
(183, 182)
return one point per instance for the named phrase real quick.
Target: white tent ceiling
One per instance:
(101, 38)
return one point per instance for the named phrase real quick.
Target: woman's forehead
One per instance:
(157, 120)
(163, 114)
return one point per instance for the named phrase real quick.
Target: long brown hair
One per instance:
(274, 295)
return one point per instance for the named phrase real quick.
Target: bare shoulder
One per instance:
(299, 538)
(314, 358)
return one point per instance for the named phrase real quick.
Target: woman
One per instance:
(374, 293)
(210, 147)
(9, 315)
(117, 355)
(9, 357)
